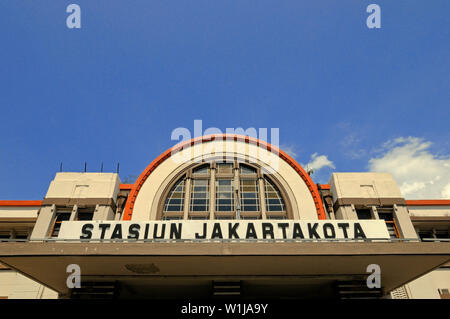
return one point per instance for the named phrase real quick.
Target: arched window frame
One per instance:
(214, 174)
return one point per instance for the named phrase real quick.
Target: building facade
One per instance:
(220, 216)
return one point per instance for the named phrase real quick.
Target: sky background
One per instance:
(344, 97)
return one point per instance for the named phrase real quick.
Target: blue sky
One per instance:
(114, 90)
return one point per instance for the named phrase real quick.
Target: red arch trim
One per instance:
(128, 212)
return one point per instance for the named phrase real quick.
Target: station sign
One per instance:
(224, 229)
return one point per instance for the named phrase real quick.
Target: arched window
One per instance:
(220, 190)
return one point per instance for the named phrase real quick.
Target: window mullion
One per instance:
(54, 216)
(262, 197)
(187, 197)
(73, 215)
(237, 190)
(212, 194)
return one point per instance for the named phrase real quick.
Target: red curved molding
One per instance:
(124, 187)
(128, 212)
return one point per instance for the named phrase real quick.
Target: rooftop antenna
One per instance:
(60, 166)
(85, 166)
(118, 166)
(101, 169)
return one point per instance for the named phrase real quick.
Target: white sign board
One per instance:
(224, 229)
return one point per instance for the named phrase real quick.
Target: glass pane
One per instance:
(249, 195)
(274, 200)
(204, 169)
(276, 217)
(425, 234)
(56, 229)
(62, 216)
(276, 208)
(224, 195)
(85, 213)
(391, 229)
(364, 214)
(224, 168)
(199, 195)
(386, 215)
(85, 216)
(175, 199)
(442, 234)
(171, 218)
(245, 169)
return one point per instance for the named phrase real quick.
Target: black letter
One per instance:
(174, 231)
(87, 231)
(217, 231)
(155, 231)
(117, 232)
(267, 229)
(146, 231)
(297, 231)
(197, 235)
(232, 230)
(312, 230)
(133, 231)
(251, 232)
(344, 227)
(327, 226)
(358, 231)
(104, 227)
(283, 226)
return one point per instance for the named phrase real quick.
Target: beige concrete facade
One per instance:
(38, 242)
(370, 190)
(13, 285)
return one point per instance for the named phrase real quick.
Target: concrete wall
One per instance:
(84, 185)
(18, 212)
(92, 189)
(429, 211)
(426, 287)
(16, 286)
(364, 185)
(370, 190)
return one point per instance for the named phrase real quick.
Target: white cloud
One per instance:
(419, 173)
(319, 161)
(290, 150)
